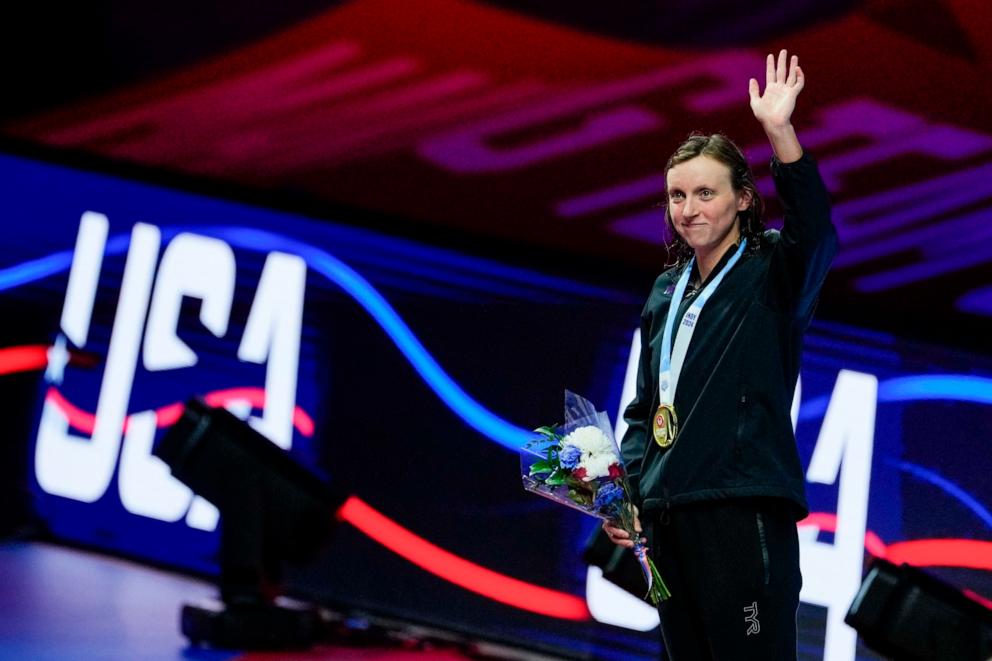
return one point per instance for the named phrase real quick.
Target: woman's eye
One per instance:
(706, 194)
(676, 197)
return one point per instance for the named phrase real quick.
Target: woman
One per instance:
(710, 447)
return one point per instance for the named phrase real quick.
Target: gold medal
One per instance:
(665, 426)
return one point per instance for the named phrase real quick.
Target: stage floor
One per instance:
(60, 604)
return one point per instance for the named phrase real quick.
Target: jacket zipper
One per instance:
(741, 414)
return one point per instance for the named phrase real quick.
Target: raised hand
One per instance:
(784, 80)
(774, 108)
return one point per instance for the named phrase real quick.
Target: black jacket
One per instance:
(735, 391)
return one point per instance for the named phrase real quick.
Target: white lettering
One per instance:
(200, 267)
(146, 486)
(84, 276)
(832, 572)
(194, 266)
(272, 334)
(73, 466)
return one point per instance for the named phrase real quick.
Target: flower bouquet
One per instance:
(579, 466)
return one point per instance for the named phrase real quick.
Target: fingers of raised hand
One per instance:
(784, 70)
(800, 79)
(754, 90)
(780, 70)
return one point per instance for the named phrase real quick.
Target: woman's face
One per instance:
(703, 204)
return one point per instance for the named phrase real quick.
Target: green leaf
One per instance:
(542, 466)
(549, 433)
(579, 496)
(576, 483)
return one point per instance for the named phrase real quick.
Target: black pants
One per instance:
(733, 569)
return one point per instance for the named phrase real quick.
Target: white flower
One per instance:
(591, 440)
(598, 451)
(597, 465)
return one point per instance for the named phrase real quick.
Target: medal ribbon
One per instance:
(672, 359)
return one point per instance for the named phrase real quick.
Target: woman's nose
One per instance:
(688, 208)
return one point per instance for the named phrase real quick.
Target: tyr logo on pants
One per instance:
(751, 618)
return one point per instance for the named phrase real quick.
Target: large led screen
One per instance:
(409, 375)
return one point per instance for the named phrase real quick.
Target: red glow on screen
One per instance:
(168, 414)
(23, 359)
(964, 553)
(459, 571)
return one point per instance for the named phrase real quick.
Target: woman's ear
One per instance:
(744, 200)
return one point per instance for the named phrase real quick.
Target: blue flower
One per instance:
(607, 494)
(569, 457)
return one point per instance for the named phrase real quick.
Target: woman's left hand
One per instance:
(782, 85)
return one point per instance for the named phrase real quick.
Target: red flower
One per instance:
(615, 471)
(579, 472)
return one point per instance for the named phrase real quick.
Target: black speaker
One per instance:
(272, 511)
(909, 615)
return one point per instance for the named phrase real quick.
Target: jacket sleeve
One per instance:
(638, 414)
(808, 241)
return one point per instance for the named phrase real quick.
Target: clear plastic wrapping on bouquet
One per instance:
(578, 464)
(587, 459)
